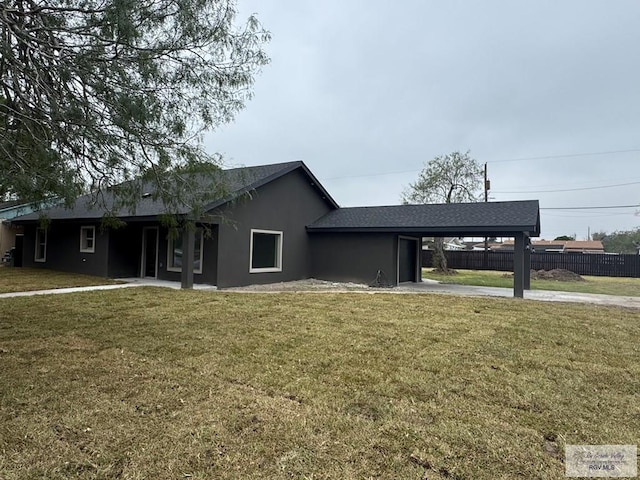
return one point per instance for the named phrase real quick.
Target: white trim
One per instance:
(170, 254)
(278, 267)
(417, 274)
(143, 257)
(37, 243)
(86, 229)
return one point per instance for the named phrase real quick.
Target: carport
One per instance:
(348, 241)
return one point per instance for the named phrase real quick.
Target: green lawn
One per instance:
(163, 384)
(29, 279)
(605, 285)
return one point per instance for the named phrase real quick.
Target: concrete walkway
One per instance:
(55, 291)
(129, 282)
(427, 286)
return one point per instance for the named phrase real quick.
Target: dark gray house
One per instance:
(279, 224)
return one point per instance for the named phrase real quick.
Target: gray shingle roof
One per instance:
(236, 181)
(11, 204)
(456, 219)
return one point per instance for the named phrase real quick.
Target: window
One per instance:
(266, 251)
(88, 239)
(41, 245)
(174, 253)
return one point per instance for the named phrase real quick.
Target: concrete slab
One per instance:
(153, 282)
(540, 295)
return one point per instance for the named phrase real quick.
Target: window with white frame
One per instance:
(41, 245)
(174, 252)
(88, 239)
(265, 251)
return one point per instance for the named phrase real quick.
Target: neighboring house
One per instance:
(9, 232)
(454, 244)
(450, 243)
(583, 246)
(560, 246)
(539, 246)
(278, 224)
(480, 247)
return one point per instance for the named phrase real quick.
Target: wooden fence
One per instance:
(622, 265)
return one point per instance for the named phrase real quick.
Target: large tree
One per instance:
(619, 241)
(451, 178)
(98, 93)
(565, 238)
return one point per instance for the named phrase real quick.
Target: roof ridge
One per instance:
(244, 167)
(510, 202)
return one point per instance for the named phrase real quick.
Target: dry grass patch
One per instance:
(30, 279)
(153, 383)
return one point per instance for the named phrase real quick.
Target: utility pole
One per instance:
(487, 187)
(487, 184)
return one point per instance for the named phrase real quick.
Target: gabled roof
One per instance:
(564, 245)
(11, 204)
(237, 181)
(455, 219)
(14, 208)
(583, 245)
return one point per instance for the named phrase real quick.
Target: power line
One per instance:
(372, 175)
(587, 217)
(523, 159)
(564, 184)
(569, 155)
(589, 208)
(575, 189)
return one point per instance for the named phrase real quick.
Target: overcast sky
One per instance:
(365, 92)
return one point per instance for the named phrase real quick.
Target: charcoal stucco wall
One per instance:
(287, 204)
(118, 252)
(354, 257)
(63, 249)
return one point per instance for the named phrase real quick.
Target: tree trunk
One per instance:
(439, 261)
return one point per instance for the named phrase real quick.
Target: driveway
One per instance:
(431, 286)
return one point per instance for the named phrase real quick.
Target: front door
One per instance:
(149, 252)
(17, 253)
(408, 259)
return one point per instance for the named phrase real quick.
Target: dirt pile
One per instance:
(558, 274)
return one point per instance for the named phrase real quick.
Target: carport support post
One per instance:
(188, 246)
(518, 266)
(527, 264)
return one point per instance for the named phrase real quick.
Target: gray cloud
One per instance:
(357, 89)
